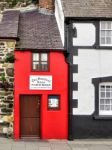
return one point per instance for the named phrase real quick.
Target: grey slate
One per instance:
(87, 8)
(9, 24)
(38, 31)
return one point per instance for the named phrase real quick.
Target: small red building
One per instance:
(41, 79)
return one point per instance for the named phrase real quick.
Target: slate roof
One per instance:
(9, 24)
(38, 31)
(33, 29)
(87, 8)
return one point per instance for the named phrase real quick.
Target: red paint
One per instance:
(54, 124)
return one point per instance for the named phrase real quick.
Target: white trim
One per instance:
(75, 59)
(75, 95)
(59, 14)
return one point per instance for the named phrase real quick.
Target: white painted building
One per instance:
(86, 31)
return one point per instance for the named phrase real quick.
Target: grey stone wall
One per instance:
(6, 87)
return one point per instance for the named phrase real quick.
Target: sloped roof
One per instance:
(38, 31)
(33, 29)
(87, 8)
(9, 24)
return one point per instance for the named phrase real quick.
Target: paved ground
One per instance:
(9, 144)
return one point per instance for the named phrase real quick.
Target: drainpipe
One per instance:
(68, 47)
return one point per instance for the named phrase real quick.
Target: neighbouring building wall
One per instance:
(85, 34)
(88, 66)
(6, 85)
(59, 18)
(91, 63)
(88, 61)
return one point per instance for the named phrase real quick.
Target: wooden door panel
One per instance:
(30, 127)
(30, 116)
(31, 106)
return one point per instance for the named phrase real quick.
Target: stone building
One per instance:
(8, 37)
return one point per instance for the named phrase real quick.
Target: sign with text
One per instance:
(40, 82)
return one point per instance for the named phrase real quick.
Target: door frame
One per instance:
(38, 95)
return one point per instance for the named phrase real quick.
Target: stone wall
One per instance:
(6, 86)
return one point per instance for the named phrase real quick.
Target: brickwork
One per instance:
(48, 4)
(6, 85)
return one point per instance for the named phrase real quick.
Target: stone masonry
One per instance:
(6, 86)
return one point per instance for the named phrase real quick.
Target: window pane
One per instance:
(35, 56)
(103, 25)
(108, 40)
(44, 66)
(103, 33)
(43, 57)
(108, 33)
(108, 94)
(36, 65)
(101, 107)
(102, 88)
(108, 24)
(107, 107)
(102, 40)
(101, 101)
(102, 94)
(107, 88)
(107, 101)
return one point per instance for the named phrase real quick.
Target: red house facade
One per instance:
(33, 114)
(41, 79)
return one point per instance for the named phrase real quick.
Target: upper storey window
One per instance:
(106, 33)
(105, 98)
(40, 61)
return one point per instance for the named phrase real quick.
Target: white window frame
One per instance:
(105, 112)
(105, 36)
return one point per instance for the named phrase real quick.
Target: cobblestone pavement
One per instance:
(9, 144)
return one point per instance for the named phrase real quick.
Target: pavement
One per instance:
(95, 144)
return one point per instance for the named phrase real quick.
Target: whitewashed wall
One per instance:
(85, 34)
(60, 18)
(92, 63)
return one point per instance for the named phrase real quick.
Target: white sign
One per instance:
(40, 82)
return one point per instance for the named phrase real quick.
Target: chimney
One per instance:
(47, 4)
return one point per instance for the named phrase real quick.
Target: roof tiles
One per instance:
(9, 24)
(34, 30)
(87, 8)
(38, 31)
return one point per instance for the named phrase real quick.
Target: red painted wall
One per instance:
(54, 124)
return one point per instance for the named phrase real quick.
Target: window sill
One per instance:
(103, 47)
(103, 117)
